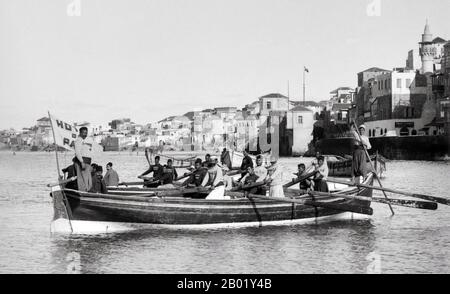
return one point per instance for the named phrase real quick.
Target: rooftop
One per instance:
(307, 103)
(341, 89)
(301, 109)
(341, 106)
(274, 95)
(439, 40)
(374, 69)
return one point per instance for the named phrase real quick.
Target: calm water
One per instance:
(413, 241)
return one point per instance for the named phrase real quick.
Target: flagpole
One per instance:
(56, 146)
(65, 201)
(304, 85)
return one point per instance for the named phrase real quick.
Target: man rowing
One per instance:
(199, 178)
(359, 162)
(83, 160)
(306, 184)
(252, 178)
(157, 170)
(169, 173)
(246, 162)
(321, 176)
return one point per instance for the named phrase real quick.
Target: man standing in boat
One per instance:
(83, 159)
(275, 179)
(157, 170)
(359, 162)
(225, 158)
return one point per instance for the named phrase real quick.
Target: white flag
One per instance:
(66, 134)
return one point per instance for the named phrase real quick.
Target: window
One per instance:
(269, 104)
(385, 84)
(269, 121)
(381, 132)
(370, 133)
(300, 119)
(408, 83)
(399, 83)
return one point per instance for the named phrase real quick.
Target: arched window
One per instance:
(381, 132)
(414, 133)
(404, 131)
(385, 131)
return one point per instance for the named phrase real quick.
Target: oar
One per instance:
(61, 182)
(390, 201)
(248, 187)
(184, 176)
(440, 200)
(334, 206)
(131, 184)
(371, 165)
(296, 181)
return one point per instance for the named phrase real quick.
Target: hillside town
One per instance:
(412, 100)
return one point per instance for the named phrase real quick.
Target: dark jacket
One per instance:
(197, 177)
(98, 185)
(226, 159)
(156, 169)
(169, 175)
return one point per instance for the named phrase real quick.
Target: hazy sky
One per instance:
(148, 59)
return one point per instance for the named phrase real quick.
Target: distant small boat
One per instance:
(342, 167)
(122, 207)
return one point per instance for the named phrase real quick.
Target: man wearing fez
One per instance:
(83, 159)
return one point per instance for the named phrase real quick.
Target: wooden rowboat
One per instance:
(141, 207)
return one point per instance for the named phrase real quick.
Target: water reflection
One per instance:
(294, 249)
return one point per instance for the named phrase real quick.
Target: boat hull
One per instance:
(187, 211)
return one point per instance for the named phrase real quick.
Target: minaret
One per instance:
(426, 50)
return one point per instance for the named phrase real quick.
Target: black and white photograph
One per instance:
(225, 137)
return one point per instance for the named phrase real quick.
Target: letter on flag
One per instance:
(65, 133)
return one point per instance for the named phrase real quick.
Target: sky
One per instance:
(149, 59)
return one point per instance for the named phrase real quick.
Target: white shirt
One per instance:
(323, 170)
(276, 176)
(261, 172)
(83, 147)
(364, 140)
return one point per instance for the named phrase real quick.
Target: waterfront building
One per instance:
(301, 120)
(342, 95)
(365, 81)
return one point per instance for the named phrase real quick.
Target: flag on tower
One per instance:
(307, 70)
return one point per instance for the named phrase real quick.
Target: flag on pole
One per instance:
(66, 134)
(307, 70)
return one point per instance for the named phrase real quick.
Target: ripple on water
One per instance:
(412, 241)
